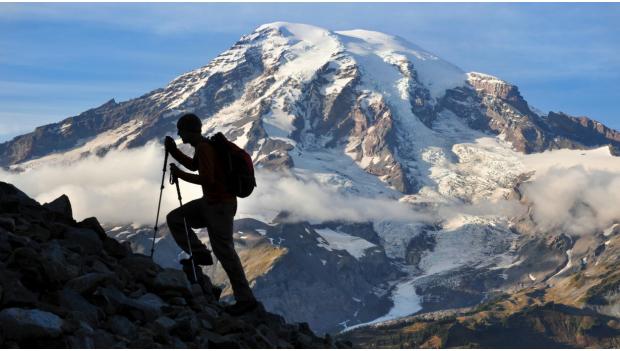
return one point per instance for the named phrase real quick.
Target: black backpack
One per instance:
(238, 166)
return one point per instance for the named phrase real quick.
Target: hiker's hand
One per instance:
(174, 172)
(170, 144)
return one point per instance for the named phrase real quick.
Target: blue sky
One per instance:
(57, 60)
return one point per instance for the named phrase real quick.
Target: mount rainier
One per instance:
(390, 182)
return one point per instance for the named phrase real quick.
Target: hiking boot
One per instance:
(201, 259)
(241, 307)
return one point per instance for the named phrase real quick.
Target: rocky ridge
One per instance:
(67, 284)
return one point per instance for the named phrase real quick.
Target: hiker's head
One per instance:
(189, 128)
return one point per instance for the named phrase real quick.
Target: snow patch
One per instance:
(342, 241)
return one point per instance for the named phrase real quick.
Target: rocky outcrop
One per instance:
(66, 284)
(490, 104)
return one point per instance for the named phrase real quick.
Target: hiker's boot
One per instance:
(200, 259)
(241, 307)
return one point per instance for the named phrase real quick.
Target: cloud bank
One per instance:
(576, 192)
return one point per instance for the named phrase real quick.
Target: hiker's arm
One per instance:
(205, 174)
(186, 161)
(183, 159)
(190, 177)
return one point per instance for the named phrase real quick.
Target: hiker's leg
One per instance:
(194, 215)
(220, 227)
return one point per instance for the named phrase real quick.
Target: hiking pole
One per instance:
(189, 244)
(161, 190)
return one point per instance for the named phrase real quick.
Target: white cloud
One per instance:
(577, 192)
(122, 187)
(573, 191)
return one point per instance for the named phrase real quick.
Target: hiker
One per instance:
(215, 211)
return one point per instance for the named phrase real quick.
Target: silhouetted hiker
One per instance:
(215, 210)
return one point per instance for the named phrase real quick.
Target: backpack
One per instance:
(237, 164)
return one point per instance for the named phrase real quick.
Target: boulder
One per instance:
(18, 323)
(61, 205)
(88, 282)
(87, 239)
(115, 249)
(14, 293)
(164, 324)
(73, 301)
(120, 325)
(172, 280)
(93, 224)
(12, 198)
(7, 223)
(29, 263)
(187, 327)
(141, 267)
(55, 264)
(147, 308)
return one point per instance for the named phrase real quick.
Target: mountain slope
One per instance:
(65, 284)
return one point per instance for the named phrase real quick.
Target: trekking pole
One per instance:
(189, 244)
(161, 190)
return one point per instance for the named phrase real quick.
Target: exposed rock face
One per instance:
(489, 103)
(60, 290)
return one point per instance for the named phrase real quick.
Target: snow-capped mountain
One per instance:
(365, 114)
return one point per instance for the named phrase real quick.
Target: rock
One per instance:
(114, 248)
(164, 324)
(7, 223)
(87, 239)
(104, 340)
(61, 205)
(179, 301)
(88, 282)
(120, 325)
(187, 327)
(55, 265)
(14, 292)
(74, 302)
(18, 241)
(12, 198)
(143, 341)
(81, 342)
(141, 267)
(93, 224)
(152, 303)
(29, 263)
(171, 279)
(82, 338)
(217, 341)
(18, 324)
(208, 314)
(145, 309)
(228, 325)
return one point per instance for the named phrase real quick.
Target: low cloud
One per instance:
(574, 200)
(577, 192)
(121, 187)
(314, 202)
(572, 191)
